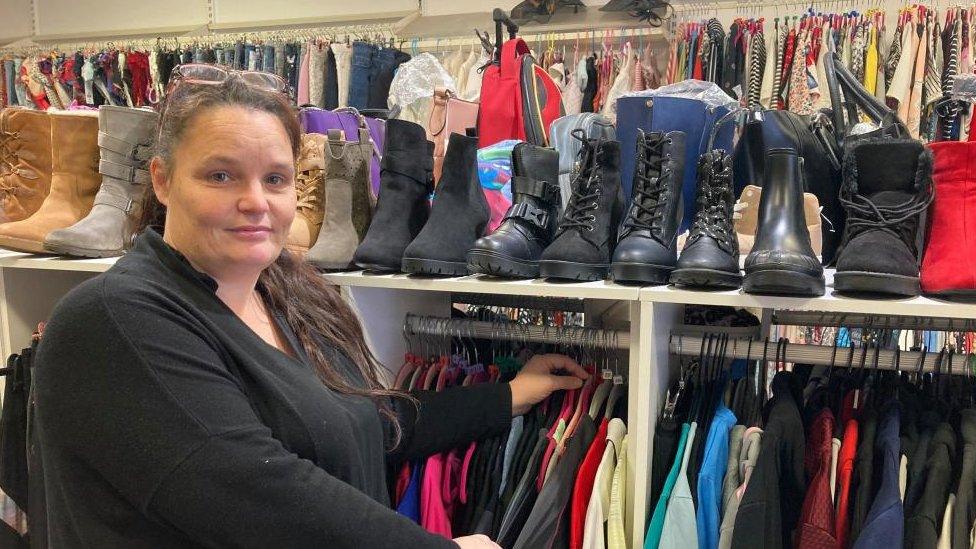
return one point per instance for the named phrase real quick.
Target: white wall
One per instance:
(74, 17)
(231, 12)
(15, 20)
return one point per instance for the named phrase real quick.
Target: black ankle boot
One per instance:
(648, 247)
(887, 185)
(457, 218)
(515, 246)
(710, 258)
(782, 261)
(402, 207)
(588, 229)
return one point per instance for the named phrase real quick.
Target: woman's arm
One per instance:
(440, 421)
(136, 392)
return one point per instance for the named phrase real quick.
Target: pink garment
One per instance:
(433, 512)
(466, 465)
(303, 94)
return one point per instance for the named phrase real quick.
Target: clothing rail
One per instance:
(535, 303)
(568, 335)
(819, 354)
(813, 318)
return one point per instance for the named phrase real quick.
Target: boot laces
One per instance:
(8, 151)
(649, 192)
(713, 217)
(864, 215)
(306, 184)
(586, 188)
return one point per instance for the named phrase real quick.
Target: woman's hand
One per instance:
(476, 542)
(539, 378)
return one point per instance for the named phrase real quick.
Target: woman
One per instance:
(209, 389)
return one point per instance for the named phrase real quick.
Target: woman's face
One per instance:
(230, 191)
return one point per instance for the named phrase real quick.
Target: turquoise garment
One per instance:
(680, 524)
(712, 476)
(656, 526)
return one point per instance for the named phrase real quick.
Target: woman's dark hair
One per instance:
(314, 309)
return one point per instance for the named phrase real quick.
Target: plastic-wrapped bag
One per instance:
(706, 92)
(413, 87)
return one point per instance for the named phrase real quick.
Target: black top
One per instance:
(164, 421)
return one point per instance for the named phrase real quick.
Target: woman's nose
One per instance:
(253, 198)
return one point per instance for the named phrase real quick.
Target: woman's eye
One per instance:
(220, 177)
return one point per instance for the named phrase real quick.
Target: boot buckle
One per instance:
(536, 216)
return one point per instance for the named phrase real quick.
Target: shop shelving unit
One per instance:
(31, 286)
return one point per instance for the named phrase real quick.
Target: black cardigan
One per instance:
(164, 421)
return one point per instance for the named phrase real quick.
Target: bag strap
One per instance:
(438, 110)
(511, 51)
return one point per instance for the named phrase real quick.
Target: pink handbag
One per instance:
(448, 114)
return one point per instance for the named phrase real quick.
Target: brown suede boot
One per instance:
(25, 162)
(309, 184)
(74, 182)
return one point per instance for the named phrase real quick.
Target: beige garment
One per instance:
(834, 456)
(914, 118)
(972, 536)
(472, 86)
(597, 510)
(945, 537)
(616, 527)
(881, 87)
(903, 476)
(823, 95)
(901, 83)
(621, 84)
(465, 72)
(343, 57)
(316, 72)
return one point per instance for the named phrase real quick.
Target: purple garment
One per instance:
(316, 120)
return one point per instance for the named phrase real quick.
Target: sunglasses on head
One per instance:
(198, 73)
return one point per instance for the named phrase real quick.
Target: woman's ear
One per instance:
(160, 179)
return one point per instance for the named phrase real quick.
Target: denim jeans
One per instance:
(268, 64)
(385, 63)
(359, 74)
(11, 77)
(239, 59)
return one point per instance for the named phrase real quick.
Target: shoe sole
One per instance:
(780, 282)
(72, 251)
(640, 273)
(877, 283)
(22, 245)
(494, 264)
(706, 278)
(377, 268)
(415, 265)
(571, 270)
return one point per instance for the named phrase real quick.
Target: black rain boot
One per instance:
(515, 246)
(648, 248)
(782, 261)
(457, 218)
(588, 229)
(887, 185)
(402, 207)
(710, 258)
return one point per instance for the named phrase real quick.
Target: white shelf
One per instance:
(19, 260)
(481, 284)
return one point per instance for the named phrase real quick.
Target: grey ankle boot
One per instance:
(125, 139)
(346, 174)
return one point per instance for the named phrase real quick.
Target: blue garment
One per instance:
(268, 59)
(656, 526)
(885, 523)
(410, 504)
(712, 476)
(514, 434)
(385, 63)
(359, 74)
(680, 530)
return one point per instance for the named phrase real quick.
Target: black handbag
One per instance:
(819, 139)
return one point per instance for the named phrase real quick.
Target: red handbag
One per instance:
(519, 100)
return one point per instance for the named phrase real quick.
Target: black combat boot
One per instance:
(530, 223)
(887, 185)
(648, 247)
(710, 258)
(588, 229)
